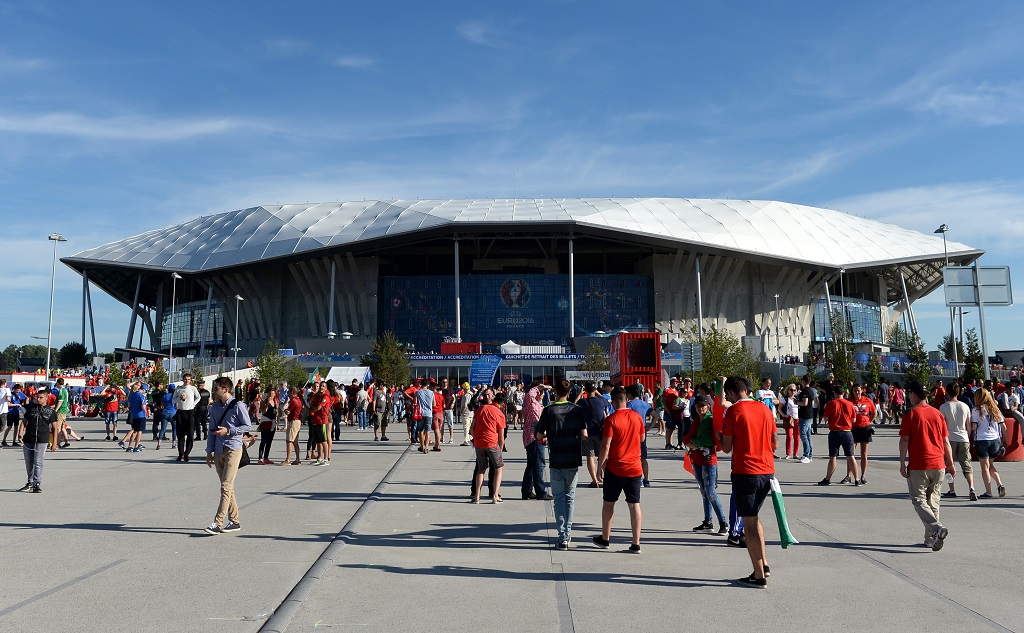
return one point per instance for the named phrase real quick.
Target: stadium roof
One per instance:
(765, 230)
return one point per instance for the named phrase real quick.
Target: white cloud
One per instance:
(354, 61)
(10, 64)
(478, 32)
(125, 128)
(985, 104)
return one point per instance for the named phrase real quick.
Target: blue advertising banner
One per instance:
(482, 371)
(529, 309)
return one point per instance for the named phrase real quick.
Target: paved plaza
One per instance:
(384, 540)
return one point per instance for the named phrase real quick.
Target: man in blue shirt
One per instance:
(228, 427)
(137, 412)
(646, 411)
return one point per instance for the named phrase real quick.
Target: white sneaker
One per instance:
(805, 460)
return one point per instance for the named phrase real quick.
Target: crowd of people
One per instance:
(601, 427)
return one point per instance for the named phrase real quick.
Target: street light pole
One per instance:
(170, 362)
(778, 341)
(54, 237)
(234, 372)
(943, 229)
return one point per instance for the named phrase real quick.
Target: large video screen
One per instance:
(527, 309)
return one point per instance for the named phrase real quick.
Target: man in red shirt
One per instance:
(862, 429)
(437, 415)
(319, 417)
(620, 468)
(748, 432)
(668, 401)
(840, 413)
(488, 442)
(924, 439)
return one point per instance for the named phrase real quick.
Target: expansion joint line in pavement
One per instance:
(283, 615)
(916, 583)
(60, 587)
(565, 622)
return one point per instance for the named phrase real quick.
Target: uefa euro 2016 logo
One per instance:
(515, 293)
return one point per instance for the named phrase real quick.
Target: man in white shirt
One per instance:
(958, 415)
(186, 397)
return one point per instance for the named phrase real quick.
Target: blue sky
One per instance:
(120, 117)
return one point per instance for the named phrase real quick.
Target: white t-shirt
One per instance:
(191, 397)
(5, 397)
(792, 409)
(988, 429)
(768, 397)
(957, 415)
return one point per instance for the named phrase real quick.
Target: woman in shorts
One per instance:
(987, 426)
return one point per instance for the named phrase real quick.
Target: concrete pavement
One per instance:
(115, 544)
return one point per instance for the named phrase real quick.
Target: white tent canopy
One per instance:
(345, 375)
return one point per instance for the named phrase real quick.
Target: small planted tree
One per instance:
(595, 360)
(388, 361)
(723, 355)
(840, 349)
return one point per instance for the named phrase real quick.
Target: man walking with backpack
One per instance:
(562, 425)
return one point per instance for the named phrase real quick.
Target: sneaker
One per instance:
(327, 462)
(974, 496)
(949, 495)
(120, 444)
(376, 439)
(805, 460)
(37, 489)
(736, 541)
(213, 528)
(436, 449)
(756, 582)
(939, 536)
(137, 449)
(464, 444)
(115, 438)
(474, 500)
(268, 462)
(787, 457)
(845, 480)
(985, 495)
(296, 463)
(384, 438)
(563, 545)
(824, 482)
(600, 542)
(863, 481)
(108, 438)
(232, 526)
(647, 483)
(4, 443)
(634, 549)
(856, 482)
(25, 487)
(723, 530)
(705, 528)
(1001, 490)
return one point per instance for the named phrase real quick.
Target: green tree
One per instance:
(73, 354)
(974, 368)
(723, 354)
(295, 374)
(157, 375)
(840, 349)
(918, 369)
(388, 361)
(116, 377)
(946, 347)
(270, 366)
(897, 336)
(594, 360)
(872, 374)
(9, 358)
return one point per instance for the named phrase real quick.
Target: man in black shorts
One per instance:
(748, 432)
(620, 467)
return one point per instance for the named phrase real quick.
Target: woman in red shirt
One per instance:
(862, 428)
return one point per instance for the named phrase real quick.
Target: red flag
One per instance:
(687, 464)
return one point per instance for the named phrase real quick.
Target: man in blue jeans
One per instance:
(563, 425)
(805, 414)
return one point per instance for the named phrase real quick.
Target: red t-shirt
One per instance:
(938, 397)
(840, 413)
(488, 421)
(927, 430)
(752, 427)
(321, 415)
(294, 409)
(411, 394)
(865, 412)
(626, 428)
(438, 402)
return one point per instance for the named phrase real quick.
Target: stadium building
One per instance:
(544, 273)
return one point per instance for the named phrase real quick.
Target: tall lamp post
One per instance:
(234, 372)
(54, 237)
(778, 340)
(943, 229)
(174, 288)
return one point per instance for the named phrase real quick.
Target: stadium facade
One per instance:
(535, 271)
